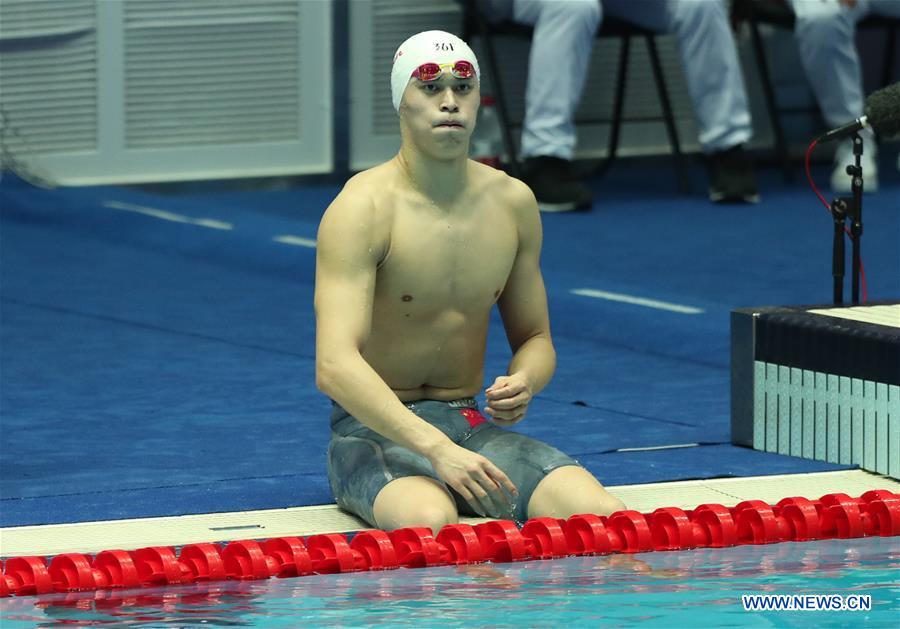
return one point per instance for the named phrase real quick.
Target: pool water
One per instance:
(663, 589)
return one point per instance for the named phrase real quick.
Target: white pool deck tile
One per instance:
(93, 537)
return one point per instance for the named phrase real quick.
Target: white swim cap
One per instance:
(427, 47)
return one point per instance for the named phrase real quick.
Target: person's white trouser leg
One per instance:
(709, 58)
(564, 32)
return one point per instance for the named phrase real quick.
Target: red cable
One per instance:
(862, 269)
(810, 179)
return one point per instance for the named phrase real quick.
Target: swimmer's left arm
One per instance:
(523, 307)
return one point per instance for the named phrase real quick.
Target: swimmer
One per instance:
(412, 255)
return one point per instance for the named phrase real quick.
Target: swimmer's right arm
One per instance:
(349, 248)
(347, 255)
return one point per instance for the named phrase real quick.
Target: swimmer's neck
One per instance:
(442, 181)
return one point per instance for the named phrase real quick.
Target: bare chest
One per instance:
(436, 265)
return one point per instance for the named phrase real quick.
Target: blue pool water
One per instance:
(663, 589)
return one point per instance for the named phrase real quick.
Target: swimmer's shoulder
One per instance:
(359, 207)
(513, 193)
(366, 192)
(370, 185)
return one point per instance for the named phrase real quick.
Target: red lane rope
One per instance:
(834, 516)
(812, 183)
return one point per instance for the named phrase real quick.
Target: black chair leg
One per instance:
(781, 150)
(515, 168)
(680, 168)
(612, 147)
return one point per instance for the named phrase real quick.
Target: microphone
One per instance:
(882, 114)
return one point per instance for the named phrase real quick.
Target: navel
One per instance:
(407, 298)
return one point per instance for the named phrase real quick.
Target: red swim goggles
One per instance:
(433, 71)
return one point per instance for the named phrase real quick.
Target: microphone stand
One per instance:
(844, 208)
(839, 213)
(856, 228)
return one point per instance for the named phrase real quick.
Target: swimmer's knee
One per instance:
(608, 504)
(434, 517)
(596, 503)
(414, 502)
(571, 490)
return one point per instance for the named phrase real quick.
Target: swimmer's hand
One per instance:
(508, 399)
(481, 483)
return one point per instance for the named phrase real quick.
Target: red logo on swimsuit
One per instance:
(472, 416)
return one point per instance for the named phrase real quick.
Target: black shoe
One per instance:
(732, 177)
(555, 186)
